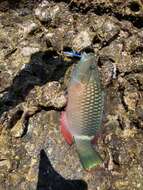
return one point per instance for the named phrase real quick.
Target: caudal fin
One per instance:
(88, 156)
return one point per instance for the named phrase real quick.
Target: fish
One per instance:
(82, 118)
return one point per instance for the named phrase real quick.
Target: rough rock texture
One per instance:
(34, 75)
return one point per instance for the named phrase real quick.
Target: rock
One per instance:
(54, 11)
(108, 31)
(29, 28)
(43, 14)
(28, 51)
(140, 111)
(49, 95)
(133, 8)
(4, 80)
(6, 164)
(136, 80)
(108, 72)
(131, 98)
(18, 129)
(4, 6)
(82, 40)
(46, 13)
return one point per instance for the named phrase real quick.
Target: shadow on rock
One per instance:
(49, 179)
(43, 67)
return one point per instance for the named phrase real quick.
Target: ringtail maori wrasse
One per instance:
(83, 115)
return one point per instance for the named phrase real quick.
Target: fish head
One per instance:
(86, 69)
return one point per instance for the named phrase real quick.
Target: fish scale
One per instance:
(88, 111)
(92, 109)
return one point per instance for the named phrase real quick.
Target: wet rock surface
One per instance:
(34, 75)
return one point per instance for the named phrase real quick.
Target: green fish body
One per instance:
(83, 115)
